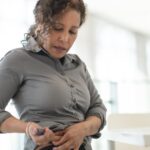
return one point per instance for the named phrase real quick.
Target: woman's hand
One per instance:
(40, 139)
(72, 138)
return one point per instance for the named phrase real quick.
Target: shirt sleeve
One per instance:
(97, 107)
(9, 82)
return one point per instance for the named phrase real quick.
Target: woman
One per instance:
(56, 100)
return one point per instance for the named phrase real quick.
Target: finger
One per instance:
(42, 139)
(60, 133)
(50, 135)
(34, 131)
(61, 141)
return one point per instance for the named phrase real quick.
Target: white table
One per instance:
(134, 136)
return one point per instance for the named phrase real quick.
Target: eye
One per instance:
(58, 28)
(73, 32)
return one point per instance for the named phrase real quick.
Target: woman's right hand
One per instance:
(48, 136)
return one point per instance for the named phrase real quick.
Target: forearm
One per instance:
(91, 125)
(13, 125)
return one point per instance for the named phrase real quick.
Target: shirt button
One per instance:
(74, 100)
(71, 85)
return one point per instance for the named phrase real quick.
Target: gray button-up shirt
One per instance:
(54, 93)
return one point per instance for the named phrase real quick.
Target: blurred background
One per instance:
(114, 42)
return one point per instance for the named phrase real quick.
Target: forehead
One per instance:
(68, 15)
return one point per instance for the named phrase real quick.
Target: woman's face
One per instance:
(60, 39)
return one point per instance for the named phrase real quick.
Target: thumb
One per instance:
(33, 131)
(52, 135)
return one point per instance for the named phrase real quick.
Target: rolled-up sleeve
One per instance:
(97, 107)
(8, 87)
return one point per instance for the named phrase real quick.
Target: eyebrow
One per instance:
(57, 23)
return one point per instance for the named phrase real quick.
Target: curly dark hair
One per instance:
(46, 10)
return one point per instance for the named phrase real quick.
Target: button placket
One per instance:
(73, 103)
(74, 99)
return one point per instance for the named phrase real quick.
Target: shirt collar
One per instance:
(32, 45)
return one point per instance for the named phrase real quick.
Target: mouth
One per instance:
(59, 48)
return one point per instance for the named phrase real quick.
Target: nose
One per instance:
(64, 37)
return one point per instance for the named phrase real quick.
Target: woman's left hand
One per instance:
(72, 138)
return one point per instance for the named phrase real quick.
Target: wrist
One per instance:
(91, 125)
(13, 125)
(85, 128)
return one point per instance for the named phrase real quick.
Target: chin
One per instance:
(59, 57)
